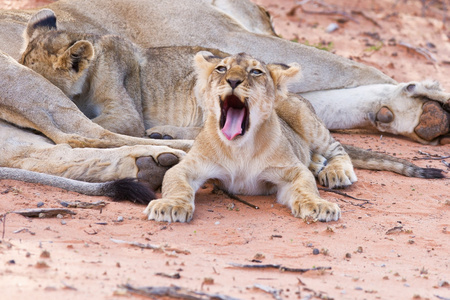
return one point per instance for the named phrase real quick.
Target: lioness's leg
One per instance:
(26, 150)
(49, 111)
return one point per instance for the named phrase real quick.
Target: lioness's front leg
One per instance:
(297, 189)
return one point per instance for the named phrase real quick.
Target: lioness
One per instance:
(247, 147)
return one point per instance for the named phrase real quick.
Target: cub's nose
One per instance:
(234, 83)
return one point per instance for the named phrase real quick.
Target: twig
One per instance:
(333, 12)
(80, 204)
(268, 289)
(173, 276)
(422, 51)
(430, 156)
(279, 267)
(234, 197)
(153, 247)
(44, 212)
(3, 219)
(24, 230)
(347, 195)
(174, 292)
(361, 13)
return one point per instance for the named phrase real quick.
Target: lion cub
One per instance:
(244, 143)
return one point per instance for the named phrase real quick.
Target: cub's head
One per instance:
(241, 91)
(59, 56)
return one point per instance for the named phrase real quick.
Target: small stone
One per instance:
(40, 204)
(332, 27)
(348, 255)
(45, 254)
(217, 223)
(119, 219)
(63, 222)
(316, 251)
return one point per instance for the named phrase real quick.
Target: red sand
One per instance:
(396, 246)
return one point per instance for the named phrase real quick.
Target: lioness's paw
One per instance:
(318, 209)
(169, 132)
(169, 210)
(337, 174)
(151, 171)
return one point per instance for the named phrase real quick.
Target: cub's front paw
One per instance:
(169, 210)
(317, 209)
(338, 173)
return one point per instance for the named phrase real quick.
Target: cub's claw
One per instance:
(319, 209)
(337, 174)
(169, 210)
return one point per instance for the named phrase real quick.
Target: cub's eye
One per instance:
(221, 69)
(256, 72)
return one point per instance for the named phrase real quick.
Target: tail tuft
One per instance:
(430, 173)
(129, 189)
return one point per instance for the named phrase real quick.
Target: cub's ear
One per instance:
(42, 21)
(204, 63)
(282, 75)
(77, 58)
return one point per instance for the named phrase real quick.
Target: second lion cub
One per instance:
(247, 147)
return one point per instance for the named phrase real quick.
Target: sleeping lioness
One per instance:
(247, 147)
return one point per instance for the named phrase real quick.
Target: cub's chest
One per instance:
(245, 177)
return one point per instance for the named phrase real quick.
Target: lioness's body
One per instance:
(248, 148)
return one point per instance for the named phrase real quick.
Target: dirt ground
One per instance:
(395, 245)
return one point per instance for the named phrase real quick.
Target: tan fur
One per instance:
(178, 112)
(263, 159)
(30, 101)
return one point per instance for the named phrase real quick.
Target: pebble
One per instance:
(316, 251)
(119, 219)
(63, 222)
(40, 203)
(217, 223)
(332, 27)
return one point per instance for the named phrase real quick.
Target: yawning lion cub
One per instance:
(247, 147)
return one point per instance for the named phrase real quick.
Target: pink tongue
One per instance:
(233, 123)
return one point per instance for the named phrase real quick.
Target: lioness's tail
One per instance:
(370, 160)
(122, 189)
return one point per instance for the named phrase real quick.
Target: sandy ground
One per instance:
(395, 245)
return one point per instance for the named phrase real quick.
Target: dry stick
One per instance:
(347, 195)
(4, 225)
(422, 51)
(361, 13)
(87, 205)
(44, 212)
(268, 289)
(174, 292)
(334, 12)
(430, 156)
(234, 197)
(150, 246)
(279, 267)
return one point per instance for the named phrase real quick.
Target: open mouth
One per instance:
(234, 117)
